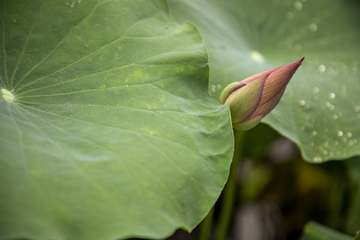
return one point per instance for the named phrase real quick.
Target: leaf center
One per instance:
(7, 95)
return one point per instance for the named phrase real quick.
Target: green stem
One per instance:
(227, 203)
(206, 225)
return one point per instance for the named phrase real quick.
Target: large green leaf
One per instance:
(107, 129)
(316, 231)
(320, 110)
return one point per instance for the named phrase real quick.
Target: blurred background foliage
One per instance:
(278, 193)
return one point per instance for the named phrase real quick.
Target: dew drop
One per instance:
(312, 144)
(317, 159)
(349, 134)
(218, 86)
(297, 48)
(336, 143)
(327, 104)
(288, 45)
(340, 133)
(289, 15)
(343, 89)
(332, 95)
(335, 117)
(298, 6)
(357, 108)
(313, 27)
(351, 142)
(302, 102)
(322, 68)
(316, 89)
(313, 133)
(354, 70)
(332, 107)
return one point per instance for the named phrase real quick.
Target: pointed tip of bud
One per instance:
(300, 61)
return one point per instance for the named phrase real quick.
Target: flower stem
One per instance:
(206, 225)
(227, 203)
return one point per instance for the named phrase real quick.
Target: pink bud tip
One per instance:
(300, 61)
(254, 97)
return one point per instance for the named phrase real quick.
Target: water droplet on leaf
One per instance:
(322, 68)
(298, 6)
(313, 27)
(289, 15)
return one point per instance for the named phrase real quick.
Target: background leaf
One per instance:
(320, 110)
(357, 236)
(316, 231)
(112, 132)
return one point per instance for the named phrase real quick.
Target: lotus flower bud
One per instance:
(254, 97)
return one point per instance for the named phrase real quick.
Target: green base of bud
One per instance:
(249, 124)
